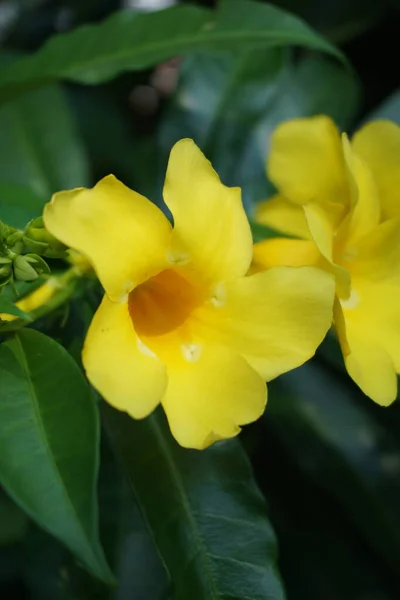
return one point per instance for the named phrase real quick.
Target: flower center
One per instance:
(162, 305)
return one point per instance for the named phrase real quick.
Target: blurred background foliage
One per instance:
(326, 459)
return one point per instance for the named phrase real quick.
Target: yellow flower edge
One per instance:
(180, 323)
(352, 216)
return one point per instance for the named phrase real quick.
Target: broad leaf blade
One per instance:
(40, 150)
(134, 40)
(229, 101)
(49, 435)
(19, 203)
(9, 308)
(204, 510)
(324, 426)
(389, 109)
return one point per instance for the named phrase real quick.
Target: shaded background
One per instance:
(326, 458)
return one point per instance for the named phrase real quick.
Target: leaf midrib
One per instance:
(189, 511)
(24, 364)
(191, 40)
(265, 37)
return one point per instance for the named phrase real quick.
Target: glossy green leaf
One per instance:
(235, 102)
(204, 510)
(389, 109)
(40, 150)
(323, 422)
(339, 20)
(128, 542)
(13, 522)
(106, 126)
(8, 307)
(321, 553)
(19, 203)
(135, 40)
(49, 436)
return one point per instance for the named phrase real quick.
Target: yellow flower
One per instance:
(180, 323)
(41, 295)
(342, 200)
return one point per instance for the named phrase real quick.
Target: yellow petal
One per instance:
(372, 320)
(321, 222)
(124, 371)
(306, 161)
(378, 144)
(372, 370)
(210, 398)
(276, 319)
(284, 216)
(121, 233)
(321, 227)
(340, 327)
(377, 256)
(284, 252)
(210, 226)
(364, 200)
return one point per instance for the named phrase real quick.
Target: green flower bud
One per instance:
(23, 269)
(38, 263)
(5, 272)
(35, 232)
(13, 238)
(33, 246)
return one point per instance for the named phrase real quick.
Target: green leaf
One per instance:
(134, 40)
(13, 522)
(128, 542)
(235, 102)
(340, 20)
(50, 573)
(49, 436)
(9, 308)
(322, 420)
(321, 553)
(40, 150)
(19, 203)
(105, 124)
(204, 510)
(389, 109)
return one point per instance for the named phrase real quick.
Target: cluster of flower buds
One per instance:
(22, 251)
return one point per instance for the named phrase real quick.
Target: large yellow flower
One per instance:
(342, 200)
(180, 323)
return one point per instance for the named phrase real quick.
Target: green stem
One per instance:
(65, 289)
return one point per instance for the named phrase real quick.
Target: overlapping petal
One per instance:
(276, 252)
(377, 255)
(118, 365)
(368, 327)
(276, 319)
(283, 216)
(321, 223)
(122, 234)
(371, 367)
(306, 161)
(378, 144)
(211, 230)
(364, 214)
(210, 398)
